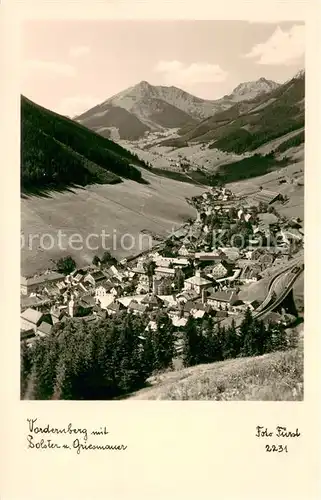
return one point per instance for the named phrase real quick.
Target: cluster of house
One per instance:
(193, 282)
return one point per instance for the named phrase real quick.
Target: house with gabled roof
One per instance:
(61, 285)
(224, 300)
(137, 308)
(28, 285)
(94, 278)
(152, 301)
(184, 251)
(43, 329)
(196, 283)
(213, 256)
(102, 290)
(114, 308)
(35, 302)
(219, 271)
(164, 271)
(30, 319)
(186, 295)
(105, 300)
(57, 313)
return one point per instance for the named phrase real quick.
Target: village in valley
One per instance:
(238, 254)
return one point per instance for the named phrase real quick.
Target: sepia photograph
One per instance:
(162, 210)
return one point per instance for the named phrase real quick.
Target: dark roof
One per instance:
(202, 307)
(27, 334)
(114, 306)
(188, 306)
(224, 296)
(136, 306)
(44, 328)
(98, 275)
(221, 314)
(255, 303)
(151, 299)
(266, 196)
(88, 300)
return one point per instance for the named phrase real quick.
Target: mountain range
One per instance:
(145, 107)
(59, 151)
(248, 124)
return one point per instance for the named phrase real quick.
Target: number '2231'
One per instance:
(278, 448)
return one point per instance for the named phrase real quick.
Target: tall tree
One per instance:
(149, 268)
(231, 343)
(193, 343)
(163, 342)
(179, 279)
(66, 265)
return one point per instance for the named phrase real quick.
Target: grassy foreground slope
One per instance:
(56, 151)
(272, 377)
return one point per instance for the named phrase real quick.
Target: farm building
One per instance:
(30, 319)
(224, 299)
(28, 285)
(164, 271)
(268, 197)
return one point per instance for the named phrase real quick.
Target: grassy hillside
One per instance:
(252, 166)
(56, 151)
(273, 377)
(157, 206)
(291, 142)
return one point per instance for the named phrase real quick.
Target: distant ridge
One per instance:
(248, 124)
(145, 107)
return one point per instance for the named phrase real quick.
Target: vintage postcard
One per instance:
(161, 167)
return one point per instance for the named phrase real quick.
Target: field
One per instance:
(273, 377)
(118, 209)
(294, 191)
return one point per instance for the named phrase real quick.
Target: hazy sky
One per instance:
(70, 66)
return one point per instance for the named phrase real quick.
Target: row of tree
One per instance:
(103, 360)
(206, 342)
(115, 356)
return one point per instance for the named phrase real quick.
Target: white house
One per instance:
(219, 271)
(196, 283)
(223, 300)
(105, 300)
(183, 251)
(101, 291)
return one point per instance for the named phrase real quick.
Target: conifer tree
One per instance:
(148, 355)
(163, 342)
(192, 351)
(25, 367)
(230, 347)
